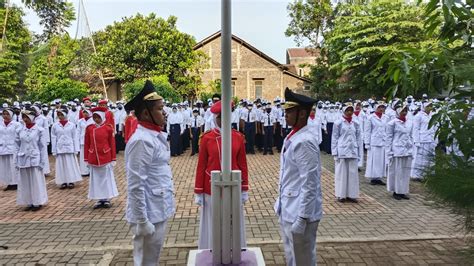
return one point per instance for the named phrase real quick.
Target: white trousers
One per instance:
(300, 250)
(346, 178)
(205, 225)
(398, 177)
(147, 249)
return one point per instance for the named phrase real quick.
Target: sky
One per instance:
(262, 23)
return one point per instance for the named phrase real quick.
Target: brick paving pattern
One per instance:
(377, 230)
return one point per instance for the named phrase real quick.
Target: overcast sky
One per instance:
(262, 23)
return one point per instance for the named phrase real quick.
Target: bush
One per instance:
(66, 89)
(162, 86)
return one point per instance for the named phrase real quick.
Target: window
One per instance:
(306, 87)
(233, 88)
(258, 89)
(301, 71)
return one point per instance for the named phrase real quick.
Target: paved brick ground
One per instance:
(68, 230)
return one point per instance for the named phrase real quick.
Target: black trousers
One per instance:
(250, 137)
(119, 140)
(326, 144)
(175, 139)
(268, 139)
(195, 139)
(234, 126)
(277, 137)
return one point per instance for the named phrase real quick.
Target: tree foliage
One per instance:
(162, 86)
(144, 46)
(14, 45)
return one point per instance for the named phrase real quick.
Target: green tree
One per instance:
(14, 45)
(55, 16)
(144, 46)
(162, 86)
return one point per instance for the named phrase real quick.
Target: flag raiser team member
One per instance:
(209, 160)
(299, 203)
(150, 201)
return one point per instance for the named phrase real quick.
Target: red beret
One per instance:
(86, 99)
(103, 101)
(99, 109)
(217, 107)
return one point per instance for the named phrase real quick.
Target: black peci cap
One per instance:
(293, 100)
(148, 93)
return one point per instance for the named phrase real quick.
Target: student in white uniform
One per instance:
(374, 141)
(299, 202)
(43, 121)
(268, 124)
(399, 148)
(150, 201)
(360, 116)
(83, 123)
(346, 148)
(65, 147)
(425, 141)
(30, 160)
(8, 150)
(315, 123)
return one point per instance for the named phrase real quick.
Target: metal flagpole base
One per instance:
(249, 257)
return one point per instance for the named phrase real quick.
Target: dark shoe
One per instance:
(341, 200)
(99, 204)
(271, 153)
(63, 186)
(192, 154)
(358, 170)
(28, 208)
(404, 196)
(107, 204)
(70, 185)
(381, 183)
(36, 208)
(265, 153)
(352, 200)
(373, 182)
(397, 196)
(419, 180)
(10, 187)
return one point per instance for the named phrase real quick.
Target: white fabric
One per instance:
(399, 141)
(30, 143)
(102, 182)
(421, 131)
(300, 249)
(205, 225)
(150, 186)
(63, 138)
(83, 166)
(316, 125)
(398, 177)
(67, 169)
(346, 139)
(31, 187)
(7, 138)
(175, 118)
(376, 167)
(346, 178)
(300, 178)
(147, 249)
(265, 119)
(374, 131)
(425, 153)
(8, 171)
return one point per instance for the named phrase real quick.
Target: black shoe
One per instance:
(99, 204)
(271, 153)
(341, 200)
(28, 208)
(265, 153)
(381, 183)
(63, 186)
(419, 180)
(397, 196)
(373, 182)
(404, 196)
(36, 208)
(70, 185)
(358, 170)
(10, 187)
(107, 204)
(352, 200)
(192, 154)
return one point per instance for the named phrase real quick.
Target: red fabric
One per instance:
(103, 102)
(29, 125)
(6, 122)
(109, 119)
(210, 159)
(403, 118)
(357, 112)
(348, 119)
(86, 99)
(131, 124)
(87, 118)
(150, 126)
(216, 108)
(63, 122)
(295, 129)
(378, 114)
(99, 145)
(312, 116)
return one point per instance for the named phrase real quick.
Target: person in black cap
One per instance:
(299, 203)
(150, 188)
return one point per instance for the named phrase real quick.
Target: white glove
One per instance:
(417, 144)
(114, 163)
(198, 199)
(336, 159)
(244, 196)
(298, 226)
(144, 229)
(367, 146)
(54, 154)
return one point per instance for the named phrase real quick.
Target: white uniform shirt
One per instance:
(346, 139)
(315, 125)
(63, 138)
(374, 131)
(399, 141)
(73, 116)
(8, 133)
(268, 119)
(248, 116)
(196, 121)
(30, 143)
(81, 129)
(175, 118)
(421, 131)
(150, 182)
(300, 178)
